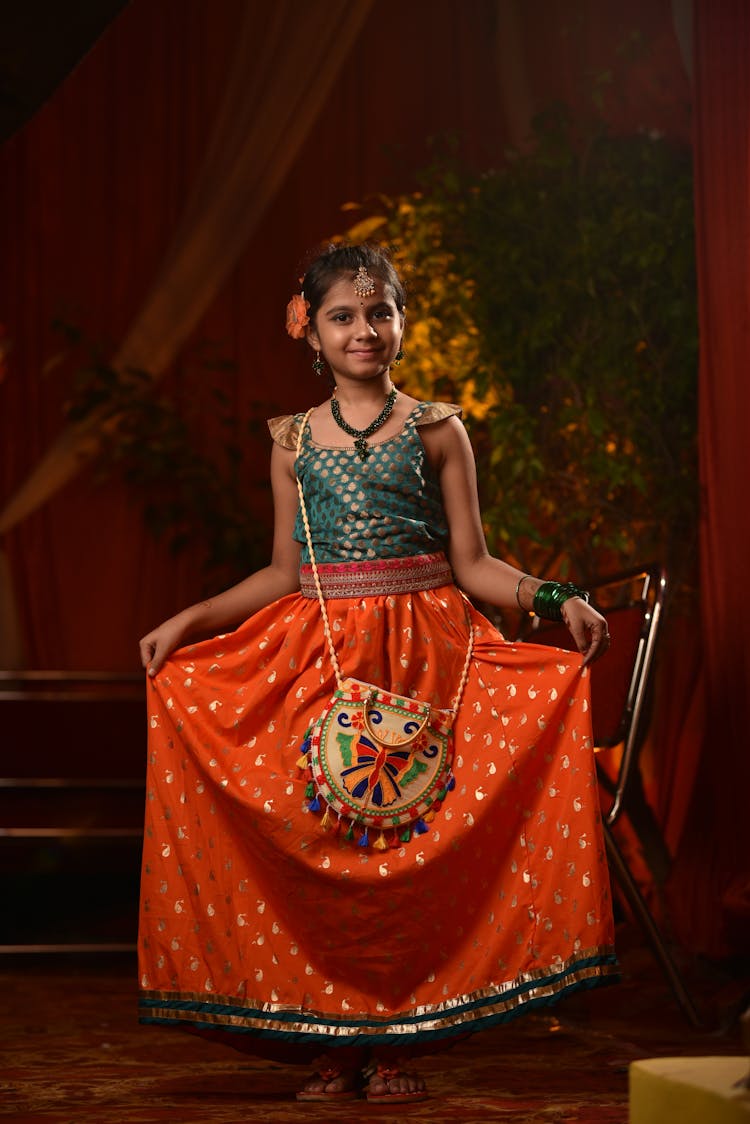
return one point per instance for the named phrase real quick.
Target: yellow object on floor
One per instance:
(689, 1091)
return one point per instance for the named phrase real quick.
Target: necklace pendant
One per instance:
(360, 435)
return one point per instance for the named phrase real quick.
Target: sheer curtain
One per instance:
(281, 74)
(162, 200)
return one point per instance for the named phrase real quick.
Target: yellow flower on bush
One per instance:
(475, 407)
(442, 340)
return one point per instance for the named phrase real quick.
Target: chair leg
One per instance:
(641, 817)
(643, 914)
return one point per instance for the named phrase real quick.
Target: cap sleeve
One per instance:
(436, 411)
(284, 430)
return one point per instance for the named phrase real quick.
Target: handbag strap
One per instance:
(322, 600)
(313, 563)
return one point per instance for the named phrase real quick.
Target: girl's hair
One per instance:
(336, 261)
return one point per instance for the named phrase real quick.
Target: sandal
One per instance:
(328, 1072)
(383, 1076)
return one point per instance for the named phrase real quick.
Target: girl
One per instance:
(269, 918)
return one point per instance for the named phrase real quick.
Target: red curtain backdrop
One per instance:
(93, 190)
(711, 889)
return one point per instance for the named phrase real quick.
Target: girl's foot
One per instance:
(330, 1083)
(391, 1085)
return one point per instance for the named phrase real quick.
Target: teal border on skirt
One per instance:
(479, 1013)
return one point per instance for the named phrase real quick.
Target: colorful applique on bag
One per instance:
(379, 761)
(376, 761)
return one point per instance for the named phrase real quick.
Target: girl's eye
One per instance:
(376, 314)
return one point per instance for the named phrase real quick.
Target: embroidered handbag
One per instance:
(375, 759)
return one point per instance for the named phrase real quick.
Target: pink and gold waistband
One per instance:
(378, 577)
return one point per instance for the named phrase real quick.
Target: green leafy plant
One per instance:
(180, 448)
(555, 300)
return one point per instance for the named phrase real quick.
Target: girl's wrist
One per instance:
(526, 588)
(550, 597)
(191, 620)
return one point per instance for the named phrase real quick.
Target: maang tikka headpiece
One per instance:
(364, 286)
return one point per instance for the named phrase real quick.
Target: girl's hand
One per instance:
(587, 627)
(155, 646)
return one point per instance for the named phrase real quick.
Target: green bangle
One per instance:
(551, 596)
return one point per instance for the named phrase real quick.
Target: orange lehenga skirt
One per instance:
(258, 924)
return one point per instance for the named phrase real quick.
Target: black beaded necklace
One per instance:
(360, 435)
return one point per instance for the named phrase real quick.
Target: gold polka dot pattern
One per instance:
(254, 920)
(388, 505)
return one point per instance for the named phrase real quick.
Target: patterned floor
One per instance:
(73, 1053)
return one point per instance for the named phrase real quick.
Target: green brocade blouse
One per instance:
(387, 506)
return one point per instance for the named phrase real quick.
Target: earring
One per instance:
(318, 365)
(400, 354)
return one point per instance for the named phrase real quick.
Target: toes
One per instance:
(398, 1084)
(408, 1083)
(325, 1083)
(339, 1084)
(315, 1085)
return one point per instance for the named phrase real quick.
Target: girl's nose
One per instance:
(364, 328)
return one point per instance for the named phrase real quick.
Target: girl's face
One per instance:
(359, 337)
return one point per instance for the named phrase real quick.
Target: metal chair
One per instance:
(621, 683)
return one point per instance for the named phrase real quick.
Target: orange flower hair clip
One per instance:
(296, 316)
